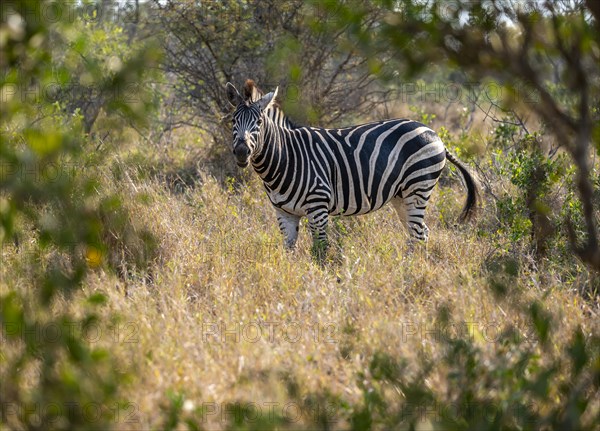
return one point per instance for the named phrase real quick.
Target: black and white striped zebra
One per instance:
(317, 172)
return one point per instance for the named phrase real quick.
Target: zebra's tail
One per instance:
(472, 192)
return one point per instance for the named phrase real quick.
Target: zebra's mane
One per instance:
(252, 93)
(288, 122)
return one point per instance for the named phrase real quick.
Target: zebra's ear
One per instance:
(267, 100)
(232, 94)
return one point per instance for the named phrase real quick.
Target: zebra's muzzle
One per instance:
(242, 155)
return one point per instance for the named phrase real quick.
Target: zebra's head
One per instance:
(247, 120)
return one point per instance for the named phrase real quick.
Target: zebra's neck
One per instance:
(276, 114)
(272, 153)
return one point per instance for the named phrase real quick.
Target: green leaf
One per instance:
(541, 321)
(11, 317)
(577, 351)
(97, 299)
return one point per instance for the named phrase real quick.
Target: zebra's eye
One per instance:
(259, 122)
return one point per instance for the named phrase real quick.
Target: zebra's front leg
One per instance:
(317, 223)
(288, 225)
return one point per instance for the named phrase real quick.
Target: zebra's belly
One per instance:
(283, 202)
(367, 205)
(358, 202)
(302, 210)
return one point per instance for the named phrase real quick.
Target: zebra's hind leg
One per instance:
(317, 223)
(411, 211)
(288, 225)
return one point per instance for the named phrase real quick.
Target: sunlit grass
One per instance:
(223, 313)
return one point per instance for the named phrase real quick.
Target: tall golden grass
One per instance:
(223, 313)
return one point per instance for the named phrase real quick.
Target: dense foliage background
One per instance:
(143, 283)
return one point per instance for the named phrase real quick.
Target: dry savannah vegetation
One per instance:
(144, 284)
(225, 315)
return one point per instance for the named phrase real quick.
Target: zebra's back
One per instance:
(372, 163)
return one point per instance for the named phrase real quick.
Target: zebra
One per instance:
(316, 173)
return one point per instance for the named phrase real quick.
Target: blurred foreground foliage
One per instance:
(63, 66)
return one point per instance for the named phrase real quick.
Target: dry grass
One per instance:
(230, 311)
(228, 315)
